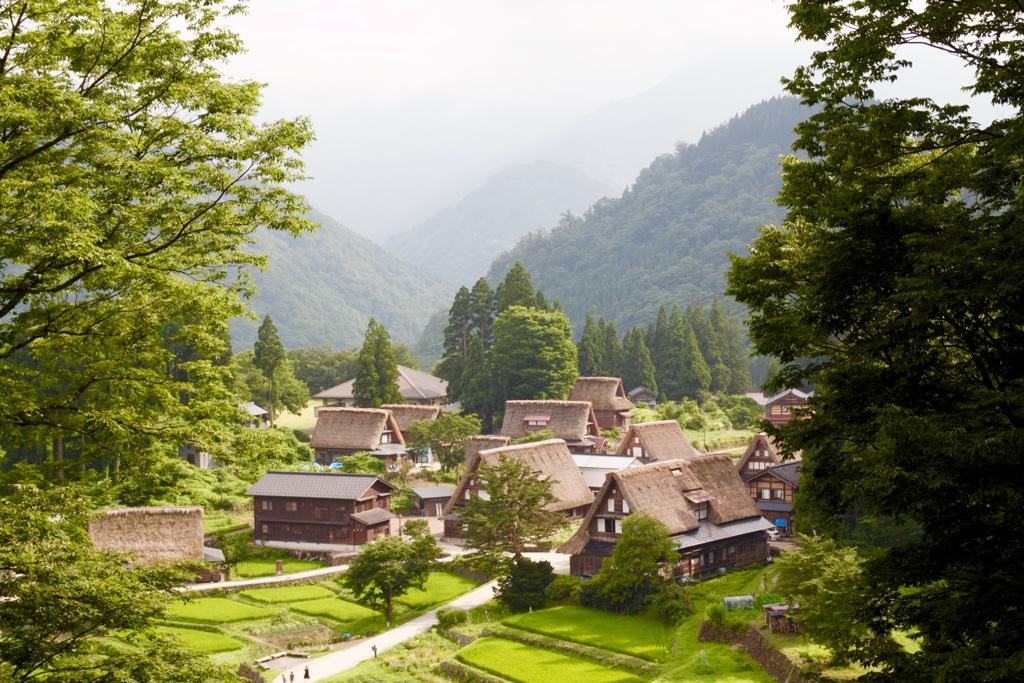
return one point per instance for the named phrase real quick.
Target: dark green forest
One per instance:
(666, 239)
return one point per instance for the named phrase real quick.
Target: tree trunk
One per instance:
(271, 399)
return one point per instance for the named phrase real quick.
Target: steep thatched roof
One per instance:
(662, 440)
(407, 413)
(320, 485)
(668, 491)
(604, 393)
(571, 421)
(356, 429)
(475, 444)
(153, 534)
(549, 460)
(413, 385)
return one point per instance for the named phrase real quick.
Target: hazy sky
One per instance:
(406, 95)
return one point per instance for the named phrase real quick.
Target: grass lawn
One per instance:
(439, 588)
(526, 664)
(217, 611)
(202, 641)
(298, 421)
(632, 635)
(335, 609)
(251, 569)
(281, 594)
(218, 522)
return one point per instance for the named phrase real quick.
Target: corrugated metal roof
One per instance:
(313, 485)
(374, 516)
(709, 533)
(432, 491)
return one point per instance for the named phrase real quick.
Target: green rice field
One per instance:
(252, 569)
(217, 611)
(631, 635)
(202, 641)
(440, 588)
(526, 664)
(282, 594)
(334, 608)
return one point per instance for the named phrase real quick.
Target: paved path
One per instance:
(264, 580)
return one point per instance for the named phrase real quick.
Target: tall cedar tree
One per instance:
(376, 380)
(511, 517)
(478, 386)
(516, 290)
(696, 375)
(533, 356)
(456, 342)
(729, 341)
(483, 305)
(897, 273)
(268, 356)
(671, 364)
(611, 349)
(134, 177)
(638, 370)
(589, 350)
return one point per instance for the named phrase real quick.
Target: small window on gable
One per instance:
(625, 505)
(611, 505)
(385, 437)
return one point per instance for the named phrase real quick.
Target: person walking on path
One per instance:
(305, 676)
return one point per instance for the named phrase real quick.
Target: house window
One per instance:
(266, 505)
(385, 437)
(611, 505)
(701, 511)
(320, 513)
(612, 526)
(764, 494)
(291, 506)
(265, 529)
(732, 550)
(778, 494)
(625, 505)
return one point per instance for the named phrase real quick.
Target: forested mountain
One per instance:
(666, 239)
(459, 242)
(323, 289)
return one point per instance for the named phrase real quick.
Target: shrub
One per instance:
(716, 614)
(565, 589)
(448, 617)
(523, 587)
(672, 604)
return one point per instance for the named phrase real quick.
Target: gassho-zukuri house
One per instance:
(549, 460)
(344, 431)
(574, 422)
(320, 508)
(709, 513)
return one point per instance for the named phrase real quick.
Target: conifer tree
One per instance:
(482, 311)
(376, 380)
(671, 365)
(611, 349)
(696, 376)
(590, 358)
(269, 354)
(516, 289)
(478, 385)
(731, 348)
(638, 370)
(456, 341)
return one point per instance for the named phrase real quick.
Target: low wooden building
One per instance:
(430, 500)
(611, 407)
(773, 490)
(416, 387)
(320, 508)
(573, 422)
(256, 417)
(344, 431)
(712, 520)
(779, 408)
(643, 395)
(654, 441)
(549, 460)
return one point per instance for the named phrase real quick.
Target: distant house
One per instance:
(595, 467)
(193, 455)
(258, 417)
(653, 441)
(344, 431)
(642, 394)
(549, 460)
(322, 508)
(155, 535)
(611, 407)
(407, 413)
(571, 421)
(759, 456)
(430, 500)
(712, 520)
(414, 386)
(778, 409)
(772, 490)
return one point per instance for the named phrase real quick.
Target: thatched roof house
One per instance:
(407, 413)
(662, 440)
(343, 431)
(571, 421)
(606, 395)
(414, 386)
(702, 501)
(549, 460)
(484, 442)
(152, 534)
(595, 466)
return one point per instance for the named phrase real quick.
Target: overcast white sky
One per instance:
(405, 93)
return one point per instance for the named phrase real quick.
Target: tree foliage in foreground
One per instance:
(629, 579)
(132, 176)
(896, 274)
(60, 595)
(389, 566)
(511, 517)
(445, 437)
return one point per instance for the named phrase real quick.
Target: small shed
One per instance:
(430, 500)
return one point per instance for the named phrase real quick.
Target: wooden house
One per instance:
(654, 441)
(573, 422)
(611, 407)
(407, 413)
(711, 518)
(415, 387)
(430, 500)
(772, 490)
(549, 460)
(321, 508)
(344, 431)
(643, 395)
(484, 442)
(256, 417)
(778, 409)
(759, 456)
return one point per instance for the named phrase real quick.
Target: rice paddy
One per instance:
(631, 635)
(217, 611)
(284, 594)
(527, 664)
(208, 642)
